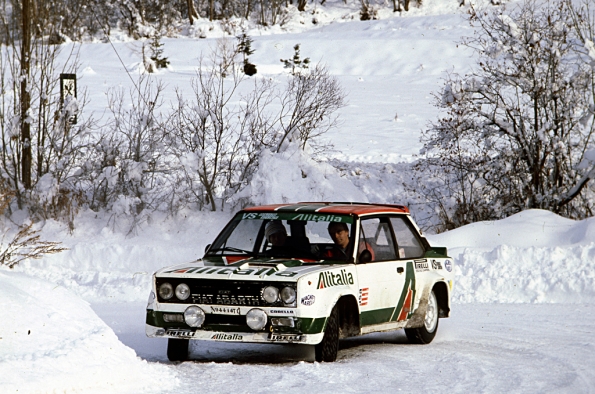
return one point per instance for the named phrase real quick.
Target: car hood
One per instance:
(247, 269)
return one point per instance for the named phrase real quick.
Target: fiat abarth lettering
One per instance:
(306, 273)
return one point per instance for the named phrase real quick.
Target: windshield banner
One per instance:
(305, 217)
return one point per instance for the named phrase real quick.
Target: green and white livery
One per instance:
(334, 270)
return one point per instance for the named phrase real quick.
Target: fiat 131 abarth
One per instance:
(305, 273)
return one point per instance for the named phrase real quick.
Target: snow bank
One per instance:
(293, 176)
(51, 340)
(534, 256)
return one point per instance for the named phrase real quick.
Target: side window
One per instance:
(375, 236)
(409, 244)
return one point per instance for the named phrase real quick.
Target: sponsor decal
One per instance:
(229, 270)
(448, 265)
(403, 311)
(227, 337)
(421, 265)
(312, 217)
(330, 279)
(308, 300)
(264, 216)
(436, 265)
(180, 333)
(280, 312)
(225, 310)
(285, 337)
(363, 296)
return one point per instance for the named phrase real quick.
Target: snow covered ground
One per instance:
(523, 318)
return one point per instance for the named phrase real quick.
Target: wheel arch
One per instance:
(442, 297)
(348, 316)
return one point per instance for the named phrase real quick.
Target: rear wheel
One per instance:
(329, 347)
(177, 349)
(426, 333)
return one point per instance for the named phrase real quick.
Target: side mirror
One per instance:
(365, 256)
(207, 248)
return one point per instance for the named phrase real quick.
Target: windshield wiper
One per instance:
(230, 249)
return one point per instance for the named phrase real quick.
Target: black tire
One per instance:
(328, 348)
(177, 349)
(426, 333)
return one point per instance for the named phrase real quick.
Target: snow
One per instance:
(524, 298)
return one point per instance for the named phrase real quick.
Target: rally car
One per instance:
(305, 273)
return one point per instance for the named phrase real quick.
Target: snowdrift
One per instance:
(531, 257)
(49, 335)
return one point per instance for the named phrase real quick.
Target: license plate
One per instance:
(225, 310)
(285, 337)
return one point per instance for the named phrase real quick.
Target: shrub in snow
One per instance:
(218, 139)
(128, 163)
(517, 127)
(24, 242)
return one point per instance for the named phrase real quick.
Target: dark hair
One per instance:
(343, 225)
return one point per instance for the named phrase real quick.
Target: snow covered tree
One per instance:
(245, 48)
(516, 128)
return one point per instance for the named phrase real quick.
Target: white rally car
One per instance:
(306, 273)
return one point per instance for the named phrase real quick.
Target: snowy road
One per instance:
(488, 348)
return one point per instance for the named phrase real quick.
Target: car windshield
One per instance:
(286, 235)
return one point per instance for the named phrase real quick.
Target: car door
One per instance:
(410, 251)
(381, 279)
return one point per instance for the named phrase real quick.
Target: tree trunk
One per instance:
(25, 98)
(191, 11)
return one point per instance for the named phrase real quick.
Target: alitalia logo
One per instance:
(330, 279)
(227, 337)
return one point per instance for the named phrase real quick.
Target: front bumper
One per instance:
(233, 328)
(250, 337)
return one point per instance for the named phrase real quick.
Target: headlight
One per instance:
(166, 291)
(288, 295)
(182, 291)
(256, 319)
(270, 294)
(194, 316)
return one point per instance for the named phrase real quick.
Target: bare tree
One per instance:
(308, 106)
(218, 142)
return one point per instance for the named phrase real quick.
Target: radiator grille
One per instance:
(223, 292)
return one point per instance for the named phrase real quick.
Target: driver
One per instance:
(339, 233)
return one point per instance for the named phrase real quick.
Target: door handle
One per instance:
(400, 270)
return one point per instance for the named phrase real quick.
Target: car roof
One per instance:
(341, 208)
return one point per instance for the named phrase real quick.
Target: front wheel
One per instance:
(177, 349)
(426, 333)
(329, 347)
